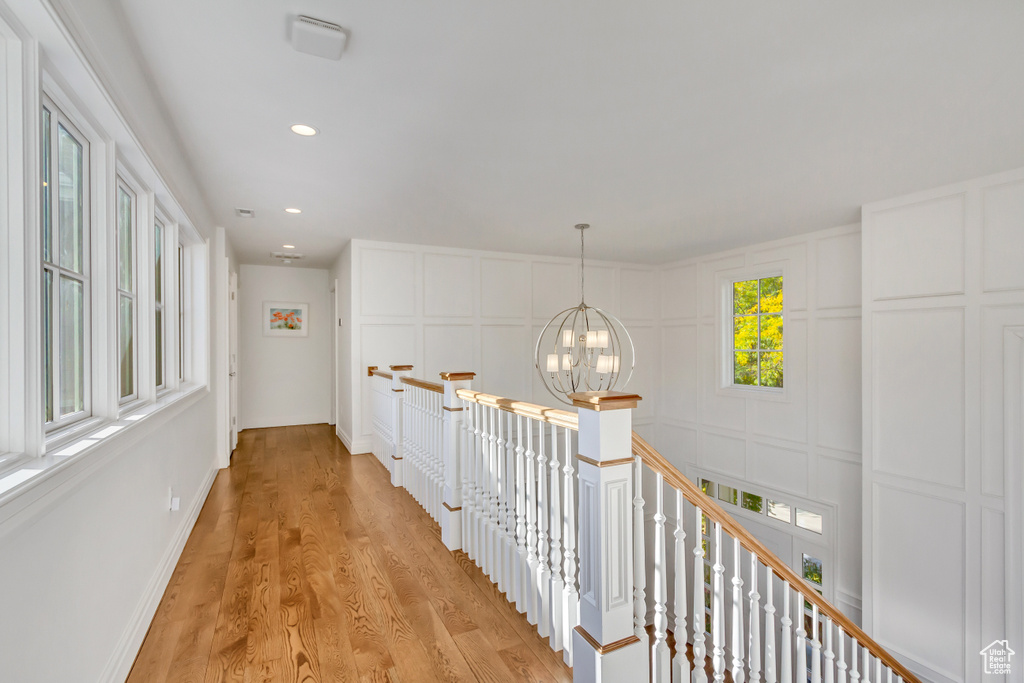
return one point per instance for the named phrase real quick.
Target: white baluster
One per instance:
(501, 487)
(786, 670)
(543, 580)
(466, 465)
(754, 650)
(801, 638)
(660, 663)
(738, 672)
(878, 670)
(815, 647)
(639, 553)
(680, 664)
(497, 445)
(866, 668)
(699, 650)
(571, 602)
(510, 564)
(480, 507)
(530, 578)
(769, 628)
(841, 666)
(521, 570)
(557, 585)
(854, 658)
(828, 675)
(718, 609)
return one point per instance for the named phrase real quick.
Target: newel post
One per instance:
(452, 443)
(605, 648)
(397, 428)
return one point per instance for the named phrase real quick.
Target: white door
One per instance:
(233, 360)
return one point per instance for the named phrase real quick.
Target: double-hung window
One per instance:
(66, 269)
(127, 300)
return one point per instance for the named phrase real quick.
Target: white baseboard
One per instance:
(285, 421)
(361, 445)
(345, 438)
(120, 663)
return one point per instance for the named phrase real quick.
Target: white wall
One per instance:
(284, 380)
(342, 272)
(803, 445)
(943, 301)
(86, 554)
(462, 310)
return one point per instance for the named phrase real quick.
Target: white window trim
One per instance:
(135, 295)
(724, 321)
(60, 118)
(168, 231)
(27, 450)
(823, 546)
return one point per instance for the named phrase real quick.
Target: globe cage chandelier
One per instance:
(584, 348)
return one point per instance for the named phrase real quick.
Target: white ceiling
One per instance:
(674, 127)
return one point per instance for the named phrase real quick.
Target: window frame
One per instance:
(60, 118)
(122, 184)
(161, 364)
(823, 546)
(726, 349)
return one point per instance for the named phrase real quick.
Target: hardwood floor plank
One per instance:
(306, 565)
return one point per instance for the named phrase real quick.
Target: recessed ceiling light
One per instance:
(303, 129)
(293, 210)
(288, 246)
(286, 261)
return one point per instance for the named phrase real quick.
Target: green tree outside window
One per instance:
(757, 332)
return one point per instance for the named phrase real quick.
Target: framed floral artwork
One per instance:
(285, 319)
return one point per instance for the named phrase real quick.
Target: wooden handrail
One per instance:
(559, 418)
(380, 373)
(657, 462)
(424, 384)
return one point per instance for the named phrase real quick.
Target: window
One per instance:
(181, 312)
(65, 267)
(757, 332)
(127, 305)
(158, 303)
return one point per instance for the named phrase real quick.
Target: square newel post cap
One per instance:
(457, 376)
(401, 368)
(370, 369)
(605, 400)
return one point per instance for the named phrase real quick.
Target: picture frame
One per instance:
(285, 319)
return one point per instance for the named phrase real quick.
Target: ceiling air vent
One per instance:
(285, 256)
(244, 213)
(317, 37)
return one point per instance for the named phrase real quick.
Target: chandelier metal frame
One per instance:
(589, 349)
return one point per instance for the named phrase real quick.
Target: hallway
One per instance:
(307, 565)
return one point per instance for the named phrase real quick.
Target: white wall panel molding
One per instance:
(918, 386)
(1003, 236)
(910, 526)
(445, 291)
(918, 249)
(948, 440)
(785, 469)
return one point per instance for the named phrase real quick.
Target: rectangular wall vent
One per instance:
(317, 37)
(244, 213)
(285, 256)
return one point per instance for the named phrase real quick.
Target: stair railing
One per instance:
(550, 504)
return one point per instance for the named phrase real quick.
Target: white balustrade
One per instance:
(560, 540)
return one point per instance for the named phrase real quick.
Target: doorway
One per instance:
(232, 362)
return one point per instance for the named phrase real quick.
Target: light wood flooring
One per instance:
(307, 565)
